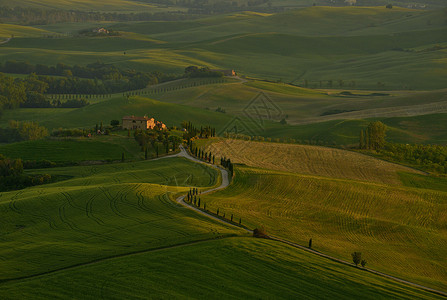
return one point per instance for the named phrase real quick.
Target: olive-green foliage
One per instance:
(29, 131)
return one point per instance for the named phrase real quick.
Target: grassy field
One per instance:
(198, 104)
(399, 230)
(89, 5)
(7, 30)
(83, 149)
(226, 268)
(103, 211)
(386, 49)
(310, 160)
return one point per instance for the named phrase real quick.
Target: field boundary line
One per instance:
(225, 183)
(117, 256)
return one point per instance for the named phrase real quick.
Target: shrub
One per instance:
(260, 233)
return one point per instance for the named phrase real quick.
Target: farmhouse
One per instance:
(101, 30)
(133, 122)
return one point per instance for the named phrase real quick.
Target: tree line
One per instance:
(156, 141)
(431, 158)
(193, 198)
(29, 93)
(12, 177)
(192, 132)
(22, 131)
(95, 78)
(40, 16)
(209, 157)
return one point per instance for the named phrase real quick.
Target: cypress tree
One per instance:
(310, 243)
(367, 145)
(362, 140)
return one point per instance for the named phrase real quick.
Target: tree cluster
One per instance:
(373, 138)
(431, 158)
(39, 16)
(157, 141)
(196, 72)
(28, 130)
(357, 259)
(95, 78)
(12, 177)
(226, 163)
(201, 154)
(192, 198)
(193, 132)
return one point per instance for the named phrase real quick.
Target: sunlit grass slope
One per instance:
(399, 230)
(311, 160)
(103, 211)
(228, 268)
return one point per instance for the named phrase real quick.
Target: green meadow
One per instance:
(231, 267)
(120, 221)
(63, 150)
(102, 211)
(399, 230)
(115, 230)
(385, 49)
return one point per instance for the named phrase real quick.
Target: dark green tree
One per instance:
(356, 257)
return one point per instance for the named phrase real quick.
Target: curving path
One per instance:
(225, 183)
(5, 41)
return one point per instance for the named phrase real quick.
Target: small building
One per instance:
(133, 122)
(226, 72)
(101, 30)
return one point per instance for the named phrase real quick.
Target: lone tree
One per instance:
(376, 134)
(310, 243)
(363, 263)
(356, 257)
(390, 6)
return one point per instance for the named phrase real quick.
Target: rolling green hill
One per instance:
(226, 268)
(310, 160)
(85, 5)
(103, 211)
(64, 150)
(399, 230)
(377, 48)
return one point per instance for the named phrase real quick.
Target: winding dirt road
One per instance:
(5, 41)
(225, 183)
